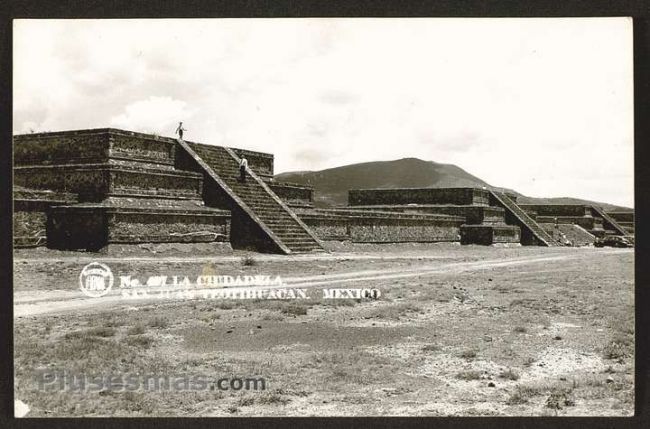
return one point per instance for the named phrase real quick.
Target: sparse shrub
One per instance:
(431, 348)
(248, 261)
(100, 331)
(395, 311)
(517, 398)
(273, 316)
(113, 322)
(619, 348)
(559, 399)
(295, 310)
(273, 398)
(136, 330)
(246, 401)
(225, 305)
(509, 374)
(158, 322)
(140, 341)
(468, 354)
(468, 375)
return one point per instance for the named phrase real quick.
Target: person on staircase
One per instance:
(243, 164)
(180, 130)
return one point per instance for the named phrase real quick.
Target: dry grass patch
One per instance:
(99, 331)
(158, 322)
(509, 374)
(469, 375)
(468, 354)
(396, 311)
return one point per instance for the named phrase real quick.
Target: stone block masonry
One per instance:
(473, 205)
(31, 208)
(474, 215)
(456, 196)
(381, 227)
(591, 218)
(121, 188)
(489, 234)
(293, 194)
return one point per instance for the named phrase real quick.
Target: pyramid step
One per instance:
(280, 223)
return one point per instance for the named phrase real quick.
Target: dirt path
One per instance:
(36, 303)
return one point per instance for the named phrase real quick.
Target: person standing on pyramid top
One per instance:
(243, 163)
(180, 130)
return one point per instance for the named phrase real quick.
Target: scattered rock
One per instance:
(490, 384)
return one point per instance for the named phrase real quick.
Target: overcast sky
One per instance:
(543, 106)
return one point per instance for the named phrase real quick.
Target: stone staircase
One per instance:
(254, 198)
(609, 221)
(523, 220)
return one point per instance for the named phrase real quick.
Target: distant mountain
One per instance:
(331, 185)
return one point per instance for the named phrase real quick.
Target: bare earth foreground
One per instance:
(457, 330)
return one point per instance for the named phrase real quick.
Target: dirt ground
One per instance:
(457, 330)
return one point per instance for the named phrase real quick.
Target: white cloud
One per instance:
(543, 106)
(158, 115)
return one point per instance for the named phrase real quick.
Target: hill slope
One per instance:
(331, 185)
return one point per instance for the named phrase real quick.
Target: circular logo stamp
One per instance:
(95, 280)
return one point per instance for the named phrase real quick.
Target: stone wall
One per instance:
(454, 196)
(93, 146)
(30, 215)
(125, 188)
(94, 183)
(142, 148)
(377, 227)
(587, 222)
(622, 216)
(93, 227)
(86, 146)
(558, 209)
(489, 234)
(294, 195)
(474, 215)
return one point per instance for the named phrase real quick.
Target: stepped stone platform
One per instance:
(260, 218)
(376, 226)
(624, 219)
(485, 222)
(569, 234)
(531, 232)
(591, 218)
(88, 189)
(121, 188)
(474, 215)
